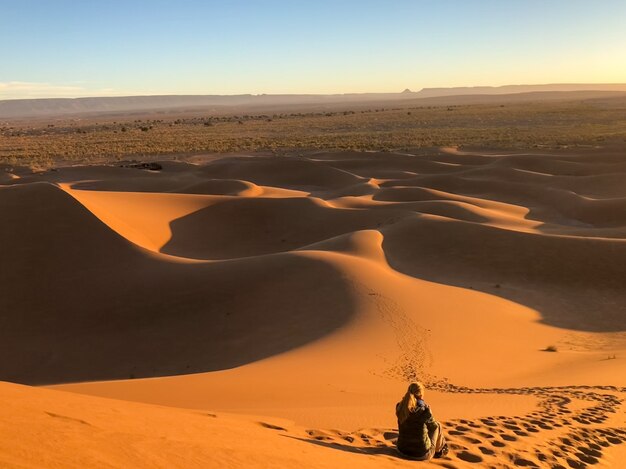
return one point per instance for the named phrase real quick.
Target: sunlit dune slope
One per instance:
(81, 302)
(312, 288)
(221, 227)
(140, 264)
(46, 429)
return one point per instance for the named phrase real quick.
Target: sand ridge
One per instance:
(324, 283)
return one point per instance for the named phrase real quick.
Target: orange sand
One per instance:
(310, 290)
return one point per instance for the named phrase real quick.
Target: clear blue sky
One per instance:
(84, 47)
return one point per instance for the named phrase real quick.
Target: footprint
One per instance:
(588, 459)
(576, 464)
(469, 457)
(519, 461)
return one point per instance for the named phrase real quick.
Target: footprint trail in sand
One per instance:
(325, 282)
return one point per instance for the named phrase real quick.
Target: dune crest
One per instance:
(324, 283)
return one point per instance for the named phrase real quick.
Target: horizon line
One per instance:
(345, 93)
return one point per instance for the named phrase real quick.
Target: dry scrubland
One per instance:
(512, 125)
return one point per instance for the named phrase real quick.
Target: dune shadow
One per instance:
(287, 172)
(245, 227)
(573, 276)
(364, 450)
(580, 191)
(81, 303)
(574, 283)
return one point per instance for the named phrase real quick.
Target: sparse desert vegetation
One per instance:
(500, 126)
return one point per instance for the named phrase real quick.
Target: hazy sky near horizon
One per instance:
(65, 48)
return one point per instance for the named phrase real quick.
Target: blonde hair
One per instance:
(408, 403)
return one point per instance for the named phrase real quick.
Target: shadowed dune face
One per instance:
(242, 227)
(80, 302)
(117, 272)
(288, 173)
(575, 283)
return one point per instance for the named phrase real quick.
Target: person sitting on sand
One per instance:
(420, 436)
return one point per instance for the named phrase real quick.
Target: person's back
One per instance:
(419, 435)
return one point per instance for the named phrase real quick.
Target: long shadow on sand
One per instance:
(575, 283)
(557, 434)
(365, 450)
(80, 302)
(571, 269)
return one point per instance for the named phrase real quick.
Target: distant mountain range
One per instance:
(215, 104)
(513, 89)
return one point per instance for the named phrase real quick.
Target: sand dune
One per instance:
(289, 173)
(89, 332)
(311, 289)
(98, 432)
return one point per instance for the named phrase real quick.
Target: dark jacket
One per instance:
(413, 433)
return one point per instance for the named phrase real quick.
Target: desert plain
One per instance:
(264, 309)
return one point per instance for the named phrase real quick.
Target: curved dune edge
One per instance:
(219, 227)
(571, 426)
(127, 307)
(332, 281)
(141, 218)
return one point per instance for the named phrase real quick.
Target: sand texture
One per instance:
(269, 311)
